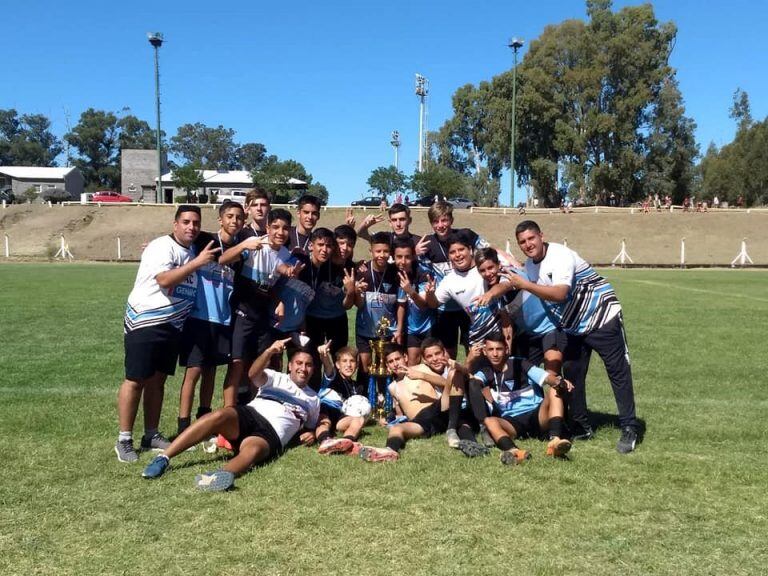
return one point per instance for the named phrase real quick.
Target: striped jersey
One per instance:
(148, 303)
(517, 389)
(527, 311)
(591, 301)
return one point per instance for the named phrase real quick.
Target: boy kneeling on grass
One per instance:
(513, 388)
(338, 385)
(259, 430)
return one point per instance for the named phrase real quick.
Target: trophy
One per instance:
(378, 375)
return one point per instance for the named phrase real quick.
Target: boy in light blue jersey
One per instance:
(513, 389)
(206, 338)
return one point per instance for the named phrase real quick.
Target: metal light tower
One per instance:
(396, 145)
(515, 44)
(156, 39)
(422, 89)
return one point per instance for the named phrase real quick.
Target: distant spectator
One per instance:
(407, 199)
(399, 198)
(687, 204)
(715, 202)
(740, 201)
(668, 202)
(383, 205)
(612, 200)
(536, 202)
(657, 202)
(646, 204)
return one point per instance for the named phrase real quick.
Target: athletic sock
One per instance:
(202, 411)
(555, 427)
(395, 443)
(505, 443)
(350, 437)
(150, 432)
(477, 401)
(454, 407)
(183, 424)
(465, 433)
(322, 437)
(123, 436)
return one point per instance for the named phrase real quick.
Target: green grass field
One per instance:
(691, 500)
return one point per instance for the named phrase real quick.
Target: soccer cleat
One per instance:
(627, 440)
(125, 451)
(583, 433)
(486, 437)
(371, 454)
(452, 437)
(335, 446)
(515, 456)
(558, 447)
(218, 481)
(222, 442)
(355, 450)
(157, 443)
(472, 449)
(157, 467)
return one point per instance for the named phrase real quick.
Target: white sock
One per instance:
(125, 436)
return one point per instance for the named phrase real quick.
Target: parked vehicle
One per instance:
(7, 195)
(109, 196)
(426, 201)
(462, 203)
(368, 201)
(234, 195)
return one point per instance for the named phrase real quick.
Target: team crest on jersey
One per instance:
(386, 286)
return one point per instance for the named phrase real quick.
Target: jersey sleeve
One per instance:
(480, 375)
(401, 295)
(534, 374)
(563, 267)
(442, 293)
(158, 257)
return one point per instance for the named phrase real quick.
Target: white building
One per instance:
(20, 178)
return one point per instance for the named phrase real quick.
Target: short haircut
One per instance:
(431, 341)
(526, 225)
(299, 350)
(345, 232)
(279, 214)
(322, 234)
(256, 194)
(228, 204)
(496, 337)
(309, 199)
(345, 351)
(397, 207)
(439, 209)
(459, 238)
(402, 243)
(186, 208)
(391, 348)
(380, 238)
(483, 254)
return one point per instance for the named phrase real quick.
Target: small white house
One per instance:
(20, 178)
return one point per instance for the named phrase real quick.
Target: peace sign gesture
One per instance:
(405, 282)
(349, 280)
(429, 287)
(207, 254)
(349, 217)
(372, 219)
(325, 350)
(421, 246)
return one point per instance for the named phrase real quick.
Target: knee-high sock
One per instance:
(477, 401)
(454, 407)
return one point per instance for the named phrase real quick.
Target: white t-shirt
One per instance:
(591, 301)
(285, 405)
(150, 305)
(463, 288)
(260, 266)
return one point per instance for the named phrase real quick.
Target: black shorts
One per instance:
(432, 419)
(363, 344)
(251, 423)
(149, 350)
(415, 340)
(250, 335)
(533, 346)
(448, 325)
(333, 414)
(527, 424)
(205, 343)
(334, 329)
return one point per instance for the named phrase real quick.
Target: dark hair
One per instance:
(431, 341)
(402, 243)
(391, 348)
(279, 214)
(345, 232)
(381, 238)
(459, 237)
(309, 199)
(526, 225)
(497, 337)
(322, 234)
(397, 208)
(345, 350)
(227, 204)
(186, 208)
(299, 350)
(483, 254)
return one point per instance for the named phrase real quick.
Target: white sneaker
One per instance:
(452, 437)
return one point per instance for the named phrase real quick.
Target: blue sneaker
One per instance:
(218, 481)
(157, 467)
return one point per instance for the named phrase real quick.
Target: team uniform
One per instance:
(450, 319)
(298, 245)
(154, 317)
(517, 393)
(419, 320)
(413, 239)
(460, 289)
(379, 300)
(335, 389)
(207, 335)
(326, 317)
(591, 316)
(280, 409)
(296, 295)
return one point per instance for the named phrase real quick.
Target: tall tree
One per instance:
(741, 110)
(96, 138)
(387, 180)
(251, 156)
(189, 178)
(27, 140)
(210, 148)
(274, 176)
(136, 133)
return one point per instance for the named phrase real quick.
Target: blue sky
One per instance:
(325, 83)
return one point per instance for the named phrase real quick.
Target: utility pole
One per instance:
(422, 89)
(156, 39)
(515, 44)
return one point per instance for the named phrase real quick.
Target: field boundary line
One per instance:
(700, 290)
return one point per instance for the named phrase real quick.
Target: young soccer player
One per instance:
(338, 385)
(206, 339)
(433, 255)
(346, 238)
(308, 213)
(400, 222)
(283, 406)
(520, 406)
(162, 298)
(427, 411)
(257, 207)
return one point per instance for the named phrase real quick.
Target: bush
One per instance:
(56, 195)
(30, 194)
(202, 199)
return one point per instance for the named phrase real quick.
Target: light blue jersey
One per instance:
(517, 390)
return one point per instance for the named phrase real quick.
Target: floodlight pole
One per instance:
(515, 44)
(156, 40)
(396, 145)
(422, 89)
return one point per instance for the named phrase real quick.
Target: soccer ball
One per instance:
(356, 405)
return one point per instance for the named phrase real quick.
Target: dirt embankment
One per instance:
(714, 238)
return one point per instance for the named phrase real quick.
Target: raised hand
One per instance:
(405, 282)
(324, 350)
(296, 269)
(349, 280)
(421, 246)
(207, 254)
(349, 217)
(256, 242)
(371, 220)
(278, 346)
(430, 286)
(484, 299)
(414, 373)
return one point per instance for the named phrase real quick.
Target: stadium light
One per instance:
(156, 40)
(396, 145)
(514, 43)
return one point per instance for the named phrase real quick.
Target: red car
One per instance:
(109, 196)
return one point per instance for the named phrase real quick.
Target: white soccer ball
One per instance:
(356, 405)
